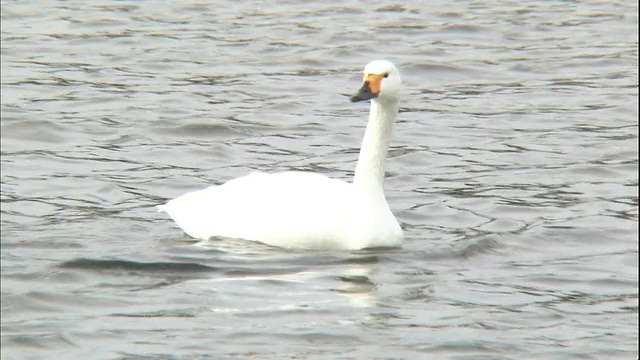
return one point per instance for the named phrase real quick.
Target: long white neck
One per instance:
(375, 145)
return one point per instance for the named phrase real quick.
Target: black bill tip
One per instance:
(363, 94)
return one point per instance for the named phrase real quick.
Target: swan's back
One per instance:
(289, 209)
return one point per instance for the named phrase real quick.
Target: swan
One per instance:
(306, 210)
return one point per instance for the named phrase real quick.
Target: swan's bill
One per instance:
(370, 88)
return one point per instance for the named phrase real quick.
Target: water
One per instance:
(513, 170)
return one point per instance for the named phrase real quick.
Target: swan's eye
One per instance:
(386, 75)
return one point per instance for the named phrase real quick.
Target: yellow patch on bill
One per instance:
(374, 82)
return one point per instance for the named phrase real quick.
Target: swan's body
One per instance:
(307, 210)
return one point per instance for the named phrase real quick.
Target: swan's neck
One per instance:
(375, 145)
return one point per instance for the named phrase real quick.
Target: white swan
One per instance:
(307, 210)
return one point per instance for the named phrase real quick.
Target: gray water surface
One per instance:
(513, 170)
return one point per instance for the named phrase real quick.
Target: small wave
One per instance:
(154, 267)
(489, 244)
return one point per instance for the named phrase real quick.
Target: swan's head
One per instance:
(381, 82)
